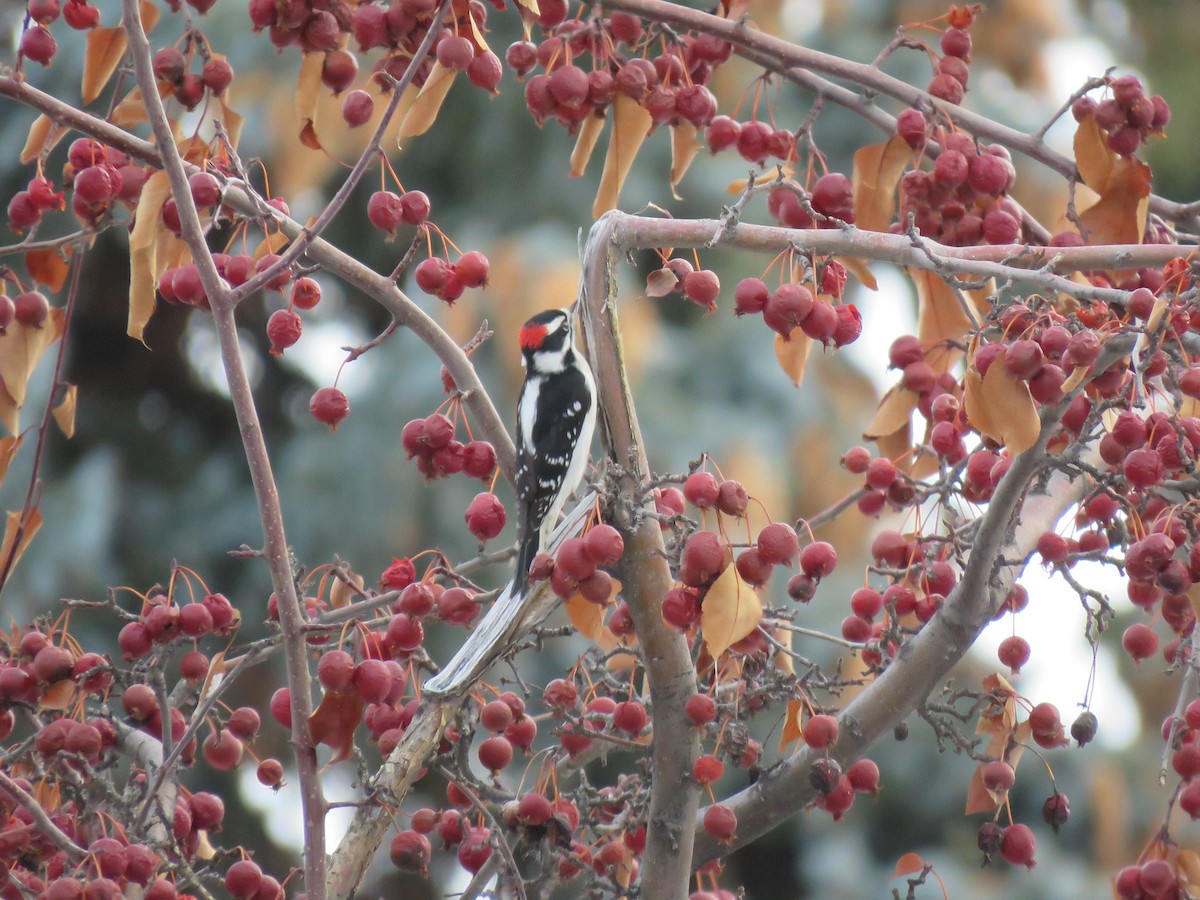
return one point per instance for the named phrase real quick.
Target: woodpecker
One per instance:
(556, 415)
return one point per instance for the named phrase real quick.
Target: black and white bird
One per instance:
(556, 416)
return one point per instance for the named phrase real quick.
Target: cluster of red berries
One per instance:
(1015, 843)
(440, 278)
(398, 28)
(44, 672)
(29, 309)
(792, 305)
(431, 443)
(828, 204)
(700, 286)
(113, 866)
(171, 67)
(1128, 117)
(387, 210)
(754, 140)
(98, 176)
(246, 880)
(162, 621)
(949, 81)
(962, 200)
(670, 85)
(578, 567)
(37, 42)
(1152, 878)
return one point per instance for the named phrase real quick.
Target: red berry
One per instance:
(821, 731)
(222, 750)
(306, 293)
(604, 545)
(283, 330)
(998, 776)
(243, 879)
(701, 490)
(485, 516)
(31, 309)
(720, 822)
(1139, 641)
(414, 207)
(38, 44)
(913, 127)
(818, 559)
(329, 406)
(778, 544)
(708, 769)
(630, 717)
(385, 211)
(495, 753)
(864, 776)
(1018, 845)
(1014, 652)
(702, 287)
(359, 106)
(472, 269)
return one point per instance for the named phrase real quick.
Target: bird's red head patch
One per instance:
(532, 336)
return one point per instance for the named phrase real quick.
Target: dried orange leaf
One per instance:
(43, 135)
(1189, 862)
(428, 103)
(1074, 379)
(58, 695)
(1011, 409)
(147, 223)
(105, 47)
(877, 171)
(1119, 216)
(973, 403)
(64, 413)
(8, 450)
(531, 5)
(894, 412)
(792, 354)
(132, 108)
(588, 619)
(48, 267)
(631, 124)
(940, 314)
(308, 88)
(783, 661)
(684, 147)
(859, 270)
(143, 245)
(908, 864)
(896, 445)
(792, 731)
(979, 798)
(20, 349)
(342, 594)
(233, 122)
(334, 721)
(1093, 157)
(149, 14)
(272, 243)
(737, 186)
(661, 282)
(585, 143)
(731, 610)
(11, 527)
